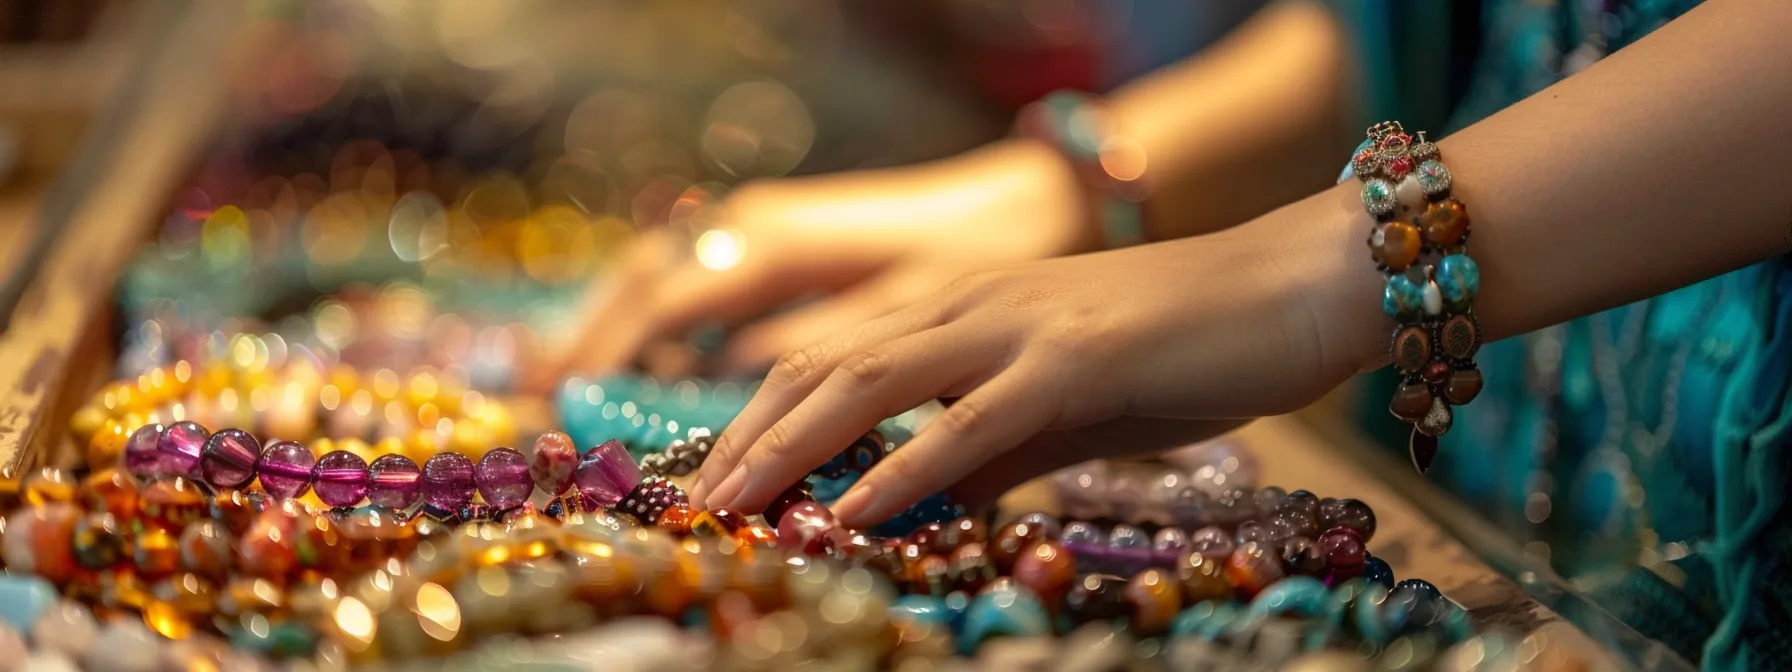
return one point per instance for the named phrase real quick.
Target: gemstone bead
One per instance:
(1396, 245)
(1378, 197)
(1411, 402)
(112, 491)
(1460, 336)
(1464, 386)
(140, 452)
(552, 459)
(1377, 571)
(1459, 278)
(1011, 541)
(969, 568)
(1212, 541)
(340, 478)
(504, 478)
(963, 531)
(1445, 223)
(394, 482)
(651, 497)
(1434, 177)
(607, 473)
(1301, 556)
(178, 450)
(676, 519)
(1047, 569)
(97, 542)
(1349, 513)
(40, 540)
(269, 549)
(229, 458)
(1411, 348)
(448, 481)
(804, 522)
(1252, 568)
(285, 469)
(205, 549)
(1344, 552)
(1203, 578)
(1155, 596)
(155, 553)
(723, 523)
(1402, 297)
(929, 536)
(1083, 532)
(1096, 597)
(1005, 608)
(171, 504)
(791, 496)
(1432, 298)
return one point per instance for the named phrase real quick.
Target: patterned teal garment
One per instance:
(1643, 449)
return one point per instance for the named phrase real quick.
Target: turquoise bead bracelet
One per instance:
(1420, 242)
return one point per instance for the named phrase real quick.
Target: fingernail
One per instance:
(728, 488)
(855, 503)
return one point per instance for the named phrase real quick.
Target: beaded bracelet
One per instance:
(1420, 242)
(1110, 166)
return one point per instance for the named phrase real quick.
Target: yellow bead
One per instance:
(106, 447)
(167, 620)
(49, 485)
(86, 421)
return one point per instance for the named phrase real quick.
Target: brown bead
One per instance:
(269, 549)
(205, 549)
(1411, 402)
(963, 531)
(723, 522)
(189, 593)
(1400, 246)
(1047, 569)
(111, 491)
(1155, 597)
(1464, 386)
(170, 504)
(676, 519)
(49, 484)
(98, 542)
(236, 509)
(1251, 568)
(1011, 541)
(971, 568)
(371, 536)
(931, 536)
(156, 553)
(1411, 348)
(1202, 578)
(1460, 336)
(1445, 223)
(1437, 372)
(756, 535)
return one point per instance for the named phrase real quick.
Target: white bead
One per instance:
(1378, 237)
(1411, 196)
(1434, 298)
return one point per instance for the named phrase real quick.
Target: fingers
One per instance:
(760, 343)
(991, 420)
(828, 396)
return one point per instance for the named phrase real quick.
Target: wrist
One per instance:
(1319, 243)
(1041, 192)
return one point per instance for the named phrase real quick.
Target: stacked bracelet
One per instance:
(1420, 242)
(1111, 166)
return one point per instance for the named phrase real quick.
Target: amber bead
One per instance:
(1252, 568)
(111, 491)
(1155, 597)
(1010, 541)
(98, 542)
(124, 589)
(106, 449)
(1396, 245)
(269, 549)
(40, 540)
(1202, 578)
(721, 523)
(1046, 569)
(1445, 223)
(1097, 597)
(1411, 402)
(964, 531)
(931, 537)
(205, 549)
(756, 535)
(49, 484)
(676, 519)
(970, 568)
(188, 593)
(155, 552)
(171, 504)
(1464, 386)
(760, 577)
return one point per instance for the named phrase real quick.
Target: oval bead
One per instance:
(1396, 245)
(552, 459)
(1433, 299)
(1460, 336)
(1402, 296)
(340, 478)
(1445, 223)
(1459, 278)
(1411, 349)
(504, 478)
(229, 459)
(394, 481)
(285, 469)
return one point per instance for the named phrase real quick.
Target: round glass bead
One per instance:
(1202, 578)
(676, 519)
(1252, 568)
(269, 549)
(1301, 556)
(229, 458)
(1083, 532)
(552, 459)
(1005, 608)
(1348, 513)
(1046, 568)
(140, 453)
(205, 549)
(178, 450)
(929, 536)
(394, 482)
(969, 568)
(1046, 523)
(1096, 597)
(448, 481)
(1377, 571)
(1344, 552)
(963, 531)
(340, 478)
(1010, 541)
(112, 491)
(723, 522)
(155, 553)
(285, 469)
(504, 478)
(1212, 541)
(1155, 596)
(804, 523)
(1128, 537)
(238, 508)
(97, 542)
(171, 504)
(790, 497)
(1300, 500)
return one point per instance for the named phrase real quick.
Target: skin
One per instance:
(1663, 165)
(878, 240)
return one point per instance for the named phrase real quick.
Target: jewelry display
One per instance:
(1420, 242)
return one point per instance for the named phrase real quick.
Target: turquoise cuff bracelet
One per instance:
(1112, 167)
(1420, 243)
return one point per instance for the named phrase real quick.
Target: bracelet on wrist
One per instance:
(1110, 166)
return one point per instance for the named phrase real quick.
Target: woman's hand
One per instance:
(877, 239)
(1060, 361)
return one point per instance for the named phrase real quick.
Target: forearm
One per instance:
(1251, 123)
(1668, 163)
